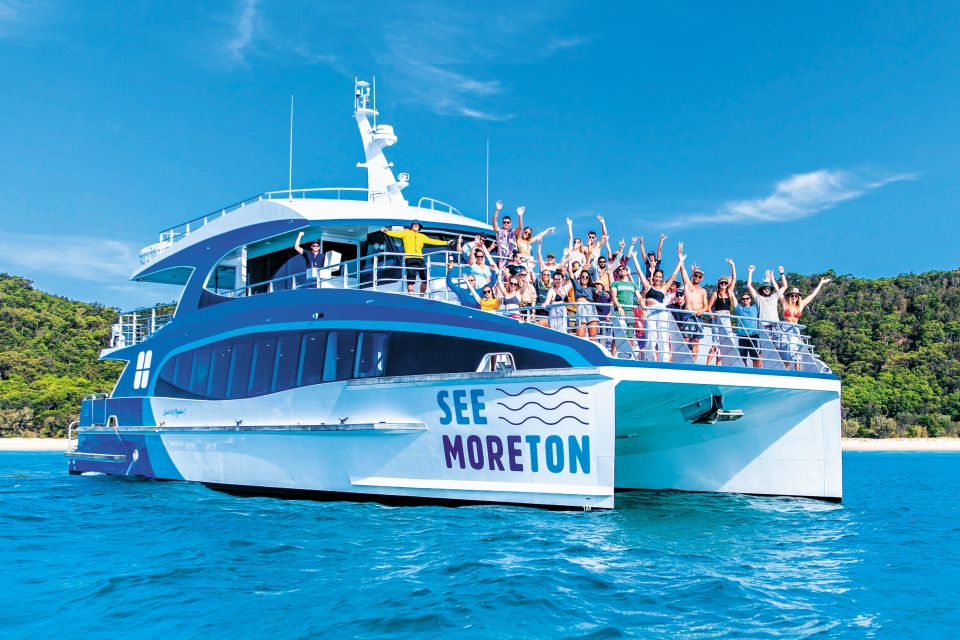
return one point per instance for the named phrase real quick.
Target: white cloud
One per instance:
(82, 268)
(798, 196)
(243, 33)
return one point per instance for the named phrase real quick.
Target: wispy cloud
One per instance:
(798, 196)
(85, 268)
(243, 31)
(445, 58)
(15, 17)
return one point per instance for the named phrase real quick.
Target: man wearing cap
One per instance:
(681, 316)
(506, 236)
(748, 329)
(313, 257)
(413, 242)
(768, 298)
(695, 303)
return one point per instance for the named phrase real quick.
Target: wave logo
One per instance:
(142, 376)
(545, 407)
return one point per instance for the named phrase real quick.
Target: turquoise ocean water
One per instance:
(103, 557)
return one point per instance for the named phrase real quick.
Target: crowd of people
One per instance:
(621, 298)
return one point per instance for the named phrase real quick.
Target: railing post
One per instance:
(375, 272)
(343, 267)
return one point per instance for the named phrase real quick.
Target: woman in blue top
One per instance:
(583, 295)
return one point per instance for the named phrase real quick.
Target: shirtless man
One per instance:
(595, 246)
(695, 303)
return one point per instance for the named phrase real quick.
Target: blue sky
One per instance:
(817, 136)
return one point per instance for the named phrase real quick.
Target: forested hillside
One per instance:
(48, 358)
(894, 341)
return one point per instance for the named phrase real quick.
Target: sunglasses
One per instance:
(488, 290)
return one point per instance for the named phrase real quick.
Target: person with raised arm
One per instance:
(413, 243)
(526, 239)
(722, 302)
(506, 236)
(768, 297)
(748, 325)
(696, 302)
(658, 319)
(574, 246)
(465, 290)
(478, 262)
(651, 260)
(313, 257)
(594, 246)
(583, 290)
(793, 308)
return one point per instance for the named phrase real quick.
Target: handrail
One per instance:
(433, 202)
(175, 233)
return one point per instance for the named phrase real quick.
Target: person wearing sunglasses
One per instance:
(586, 314)
(312, 257)
(722, 302)
(465, 288)
(556, 302)
(626, 298)
(793, 308)
(509, 293)
(657, 318)
(748, 326)
(696, 301)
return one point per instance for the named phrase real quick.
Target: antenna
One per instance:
(487, 206)
(374, 102)
(290, 175)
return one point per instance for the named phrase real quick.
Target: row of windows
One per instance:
(259, 364)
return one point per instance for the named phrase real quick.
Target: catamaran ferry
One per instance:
(282, 373)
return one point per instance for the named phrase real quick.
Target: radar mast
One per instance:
(380, 180)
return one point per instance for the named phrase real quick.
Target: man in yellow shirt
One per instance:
(413, 242)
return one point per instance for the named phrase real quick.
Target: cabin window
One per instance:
(313, 347)
(240, 367)
(264, 363)
(200, 371)
(341, 351)
(372, 358)
(220, 364)
(288, 361)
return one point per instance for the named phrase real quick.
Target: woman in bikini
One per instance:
(658, 318)
(793, 308)
(721, 303)
(556, 302)
(525, 240)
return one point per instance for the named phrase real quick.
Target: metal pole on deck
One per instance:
(487, 185)
(290, 174)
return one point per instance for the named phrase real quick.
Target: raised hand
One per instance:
(569, 222)
(730, 261)
(751, 269)
(499, 205)
(600, 218)
(824, 281)
(623, 243)
(679, 248)
(633, 240)
(521, 210)
(780, 269)
(663, 237)
(383, 230)
(551, 229)
(769, 274)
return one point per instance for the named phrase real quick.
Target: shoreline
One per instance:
(849, 444)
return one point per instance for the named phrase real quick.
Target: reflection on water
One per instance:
(174, 560)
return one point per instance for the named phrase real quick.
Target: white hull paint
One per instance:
(533, 437)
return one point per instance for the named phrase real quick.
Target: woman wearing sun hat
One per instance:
(793, 308)
(722, 302)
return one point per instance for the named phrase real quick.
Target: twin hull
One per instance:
(553, 438)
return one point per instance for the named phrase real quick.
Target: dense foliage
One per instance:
(895, 342)
(48, 358)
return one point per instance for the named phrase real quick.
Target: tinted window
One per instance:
(420, 353)
(200, 371)
(181, 371)
(220, 365)
(313, 346)
(288, 360)
(240, 367)
(373, 354)
(341, 351)
(264, 358)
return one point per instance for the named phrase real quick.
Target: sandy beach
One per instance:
(849, 444)
(33, 444)
(901, 444)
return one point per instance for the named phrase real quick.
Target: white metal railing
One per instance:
(171, 235)
(652, 334)
(133, 327)
(385, 271)
(661, 334)
(438, 205)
